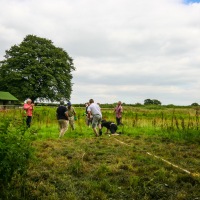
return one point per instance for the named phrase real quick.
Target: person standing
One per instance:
(118, 113)
(86, 114)
(28, 107)
(87, 120)
(71, 115)
(94, 110)
(62, 118)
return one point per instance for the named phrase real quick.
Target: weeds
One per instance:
(15, 153)
(80, 166)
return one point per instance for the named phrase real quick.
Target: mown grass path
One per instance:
(116, 167)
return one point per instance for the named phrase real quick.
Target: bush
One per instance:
(15, 151)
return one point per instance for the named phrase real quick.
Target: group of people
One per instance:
(93, 111)
(67, 115)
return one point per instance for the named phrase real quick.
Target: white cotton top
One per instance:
(94, 109)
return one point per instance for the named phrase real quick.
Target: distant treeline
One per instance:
(125, 105)
(107, 105)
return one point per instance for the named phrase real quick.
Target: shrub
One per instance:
(15, 151)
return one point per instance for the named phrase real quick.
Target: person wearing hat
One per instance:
(71, 115)
(62, 118)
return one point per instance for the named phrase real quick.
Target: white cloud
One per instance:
(125, 50)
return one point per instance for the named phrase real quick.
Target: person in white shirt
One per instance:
(95, 110)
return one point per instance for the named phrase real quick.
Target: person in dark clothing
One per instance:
(111, 127)
(62, 118)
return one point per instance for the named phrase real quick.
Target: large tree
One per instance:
(37, 69)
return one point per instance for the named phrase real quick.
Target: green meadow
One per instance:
(157, 156)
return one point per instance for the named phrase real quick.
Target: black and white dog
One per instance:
(111, 126)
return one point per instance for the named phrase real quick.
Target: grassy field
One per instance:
(157, 156)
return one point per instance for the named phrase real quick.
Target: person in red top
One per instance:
(118, 112)
(28, 107)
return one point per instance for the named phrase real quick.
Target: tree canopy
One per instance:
(37, 69)
(195, 104)
(152, 102)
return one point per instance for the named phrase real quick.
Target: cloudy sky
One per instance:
(128, 50)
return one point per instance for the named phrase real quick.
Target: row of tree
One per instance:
(157, 102)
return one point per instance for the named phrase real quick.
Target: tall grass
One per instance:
(80, 166)
(177, 123)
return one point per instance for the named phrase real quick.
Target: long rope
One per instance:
(166, 161)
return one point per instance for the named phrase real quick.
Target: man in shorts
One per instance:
(95, 110)
(62, 118)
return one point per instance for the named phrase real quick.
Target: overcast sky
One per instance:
(128, 50)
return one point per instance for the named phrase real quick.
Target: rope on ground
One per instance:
(122, 142)
(157, 157)
(176, 166)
